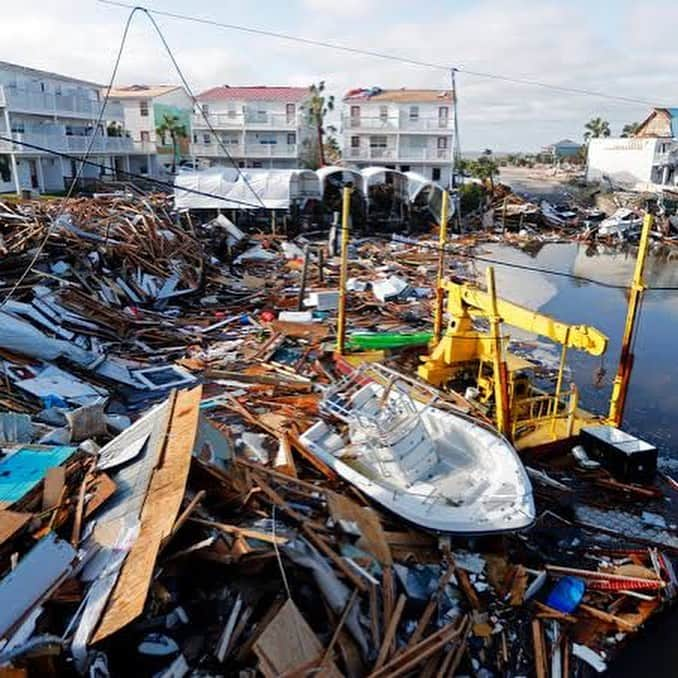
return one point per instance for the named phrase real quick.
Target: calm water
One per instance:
(652, 404)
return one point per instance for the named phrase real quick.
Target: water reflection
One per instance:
(653, 397)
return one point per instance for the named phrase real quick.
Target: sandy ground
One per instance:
(539, 183)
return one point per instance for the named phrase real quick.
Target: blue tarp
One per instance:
(674, 121)
(23, 470)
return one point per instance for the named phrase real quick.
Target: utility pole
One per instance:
(456, 152)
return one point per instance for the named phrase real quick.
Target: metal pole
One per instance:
(559, 381)
(343, 271)
(620, 386)
(440, 292)
(456, 153)
(500, 390)
(304, 276)
(321, 264)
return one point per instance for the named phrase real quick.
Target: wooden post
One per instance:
(440, 292)
(343, 271)
(304, 275)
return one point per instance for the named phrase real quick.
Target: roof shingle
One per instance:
(257, 93)
(399, 95)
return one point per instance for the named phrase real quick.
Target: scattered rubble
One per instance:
(161, 515)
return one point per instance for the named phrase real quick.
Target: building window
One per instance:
(355, 142)
(442, 143)
(405, 168)
(414, 113)
(355, 116)
(18, 127)
(383, 113)
(143, 108)
(378, 142)
(291, 138)
(256, 164)
(207, 139)
(195, 138)
(290, 112)
(146, 136)
(205, 108)
(443, 112)
(435, 175)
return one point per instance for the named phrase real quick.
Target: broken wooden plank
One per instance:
(389, 635)
(158, 515)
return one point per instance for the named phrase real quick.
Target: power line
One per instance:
(448, 248)
(81, 166)
(390, 57)
(200, 108)
(134, 175)
(525, 267)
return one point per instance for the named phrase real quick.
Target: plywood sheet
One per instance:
(11, 522)
(288, 643)
(162, 504)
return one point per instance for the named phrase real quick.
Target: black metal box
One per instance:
(628, 458)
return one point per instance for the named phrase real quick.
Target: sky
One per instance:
(620, 47)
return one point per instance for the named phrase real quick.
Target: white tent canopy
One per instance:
(342, 175)
(374, 176)
(429, 194)
(275, 188)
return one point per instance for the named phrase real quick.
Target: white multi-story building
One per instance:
(403, 129)
(43, 110)
(259, 126)
(145, 108)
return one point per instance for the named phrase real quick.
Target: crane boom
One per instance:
(581, 337)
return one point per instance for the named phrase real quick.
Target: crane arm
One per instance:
(463, 298)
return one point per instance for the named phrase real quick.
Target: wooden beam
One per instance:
(389, 635)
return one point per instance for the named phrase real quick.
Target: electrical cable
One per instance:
(391, 57)
(78, 173)
(158, 182)
(204, 115)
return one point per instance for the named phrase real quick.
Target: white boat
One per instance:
(437, 468)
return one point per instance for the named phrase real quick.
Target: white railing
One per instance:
(68, 105)
(144, 147)
(370, 154)
(271, 150)
(241, 120)
(395, 123)
(370, 122)
(64, 143)
(426, 124)
(249, 151)
(424, 154)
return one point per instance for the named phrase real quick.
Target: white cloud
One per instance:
(610, 47)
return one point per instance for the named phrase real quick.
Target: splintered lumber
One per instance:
(539, 649)
(373, 537)
(427, 614)
(340, 625)
(11, 523)
(607, 617)
(288, 642)
(404, 663)
(160, 509)
(467, 588)
(391, 629)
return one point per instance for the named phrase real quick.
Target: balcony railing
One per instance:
(395, 123)
(403, 154)
(240, 120)
(144, 147)
(247, 151)
(64, 143)
(65, 105)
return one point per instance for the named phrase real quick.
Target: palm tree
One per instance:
(332, 149)
(596, 128)
(171, 125)
(318, 107)
(630, 129)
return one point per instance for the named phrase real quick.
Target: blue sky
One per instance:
(620, 47)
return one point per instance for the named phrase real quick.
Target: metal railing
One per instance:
(67, 105)
(64, 143)
(240, 120)
(395, 123)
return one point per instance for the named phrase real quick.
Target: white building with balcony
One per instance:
(145, 107)
(403, 129)
(43, 113)
(260, 126)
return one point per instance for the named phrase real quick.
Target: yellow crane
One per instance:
(499, 375)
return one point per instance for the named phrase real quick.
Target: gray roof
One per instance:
(47, 74)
